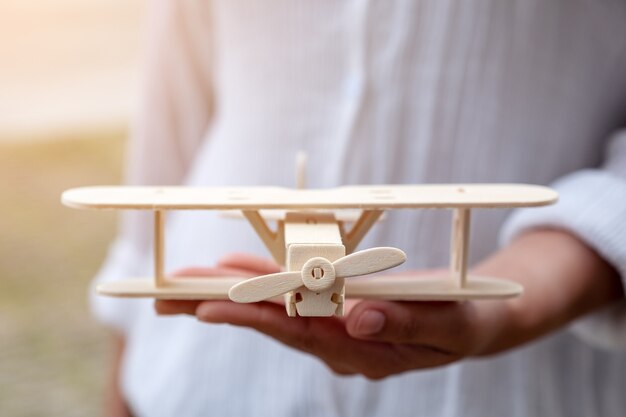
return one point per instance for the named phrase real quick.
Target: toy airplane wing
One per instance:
(314, 244)
(356, 197)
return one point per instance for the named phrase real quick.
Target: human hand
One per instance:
(382, 338)
(400, 335)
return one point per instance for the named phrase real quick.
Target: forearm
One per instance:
(563, 279)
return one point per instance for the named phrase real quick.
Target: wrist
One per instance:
(562, 277)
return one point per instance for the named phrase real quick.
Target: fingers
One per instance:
(247, 262)
(234, 265)
(395, 347)
(265, 317)
(448, 327)
(324, 337)
(173, 307)
(211, 272)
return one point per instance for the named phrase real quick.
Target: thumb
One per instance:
(447, 326)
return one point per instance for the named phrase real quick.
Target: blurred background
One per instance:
(68, 84)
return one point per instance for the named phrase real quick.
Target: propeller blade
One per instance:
(264, 287)
(368, 261)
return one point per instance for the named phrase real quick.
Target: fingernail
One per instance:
(370, 322)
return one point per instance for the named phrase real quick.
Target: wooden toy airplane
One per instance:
(314, 244)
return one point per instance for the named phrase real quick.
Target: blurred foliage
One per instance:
(52, 352)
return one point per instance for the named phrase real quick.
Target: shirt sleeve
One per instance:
(173, 117)
(592, 206)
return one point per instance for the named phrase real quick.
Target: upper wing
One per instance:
(354, 197)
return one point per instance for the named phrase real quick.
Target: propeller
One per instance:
(317, 274)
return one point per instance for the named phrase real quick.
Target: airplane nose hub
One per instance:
(318, 274)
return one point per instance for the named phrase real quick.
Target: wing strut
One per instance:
(159, 248)
(274, 241)
(459, 245)
(353, 237)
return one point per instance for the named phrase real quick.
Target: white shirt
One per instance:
(377, 92)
